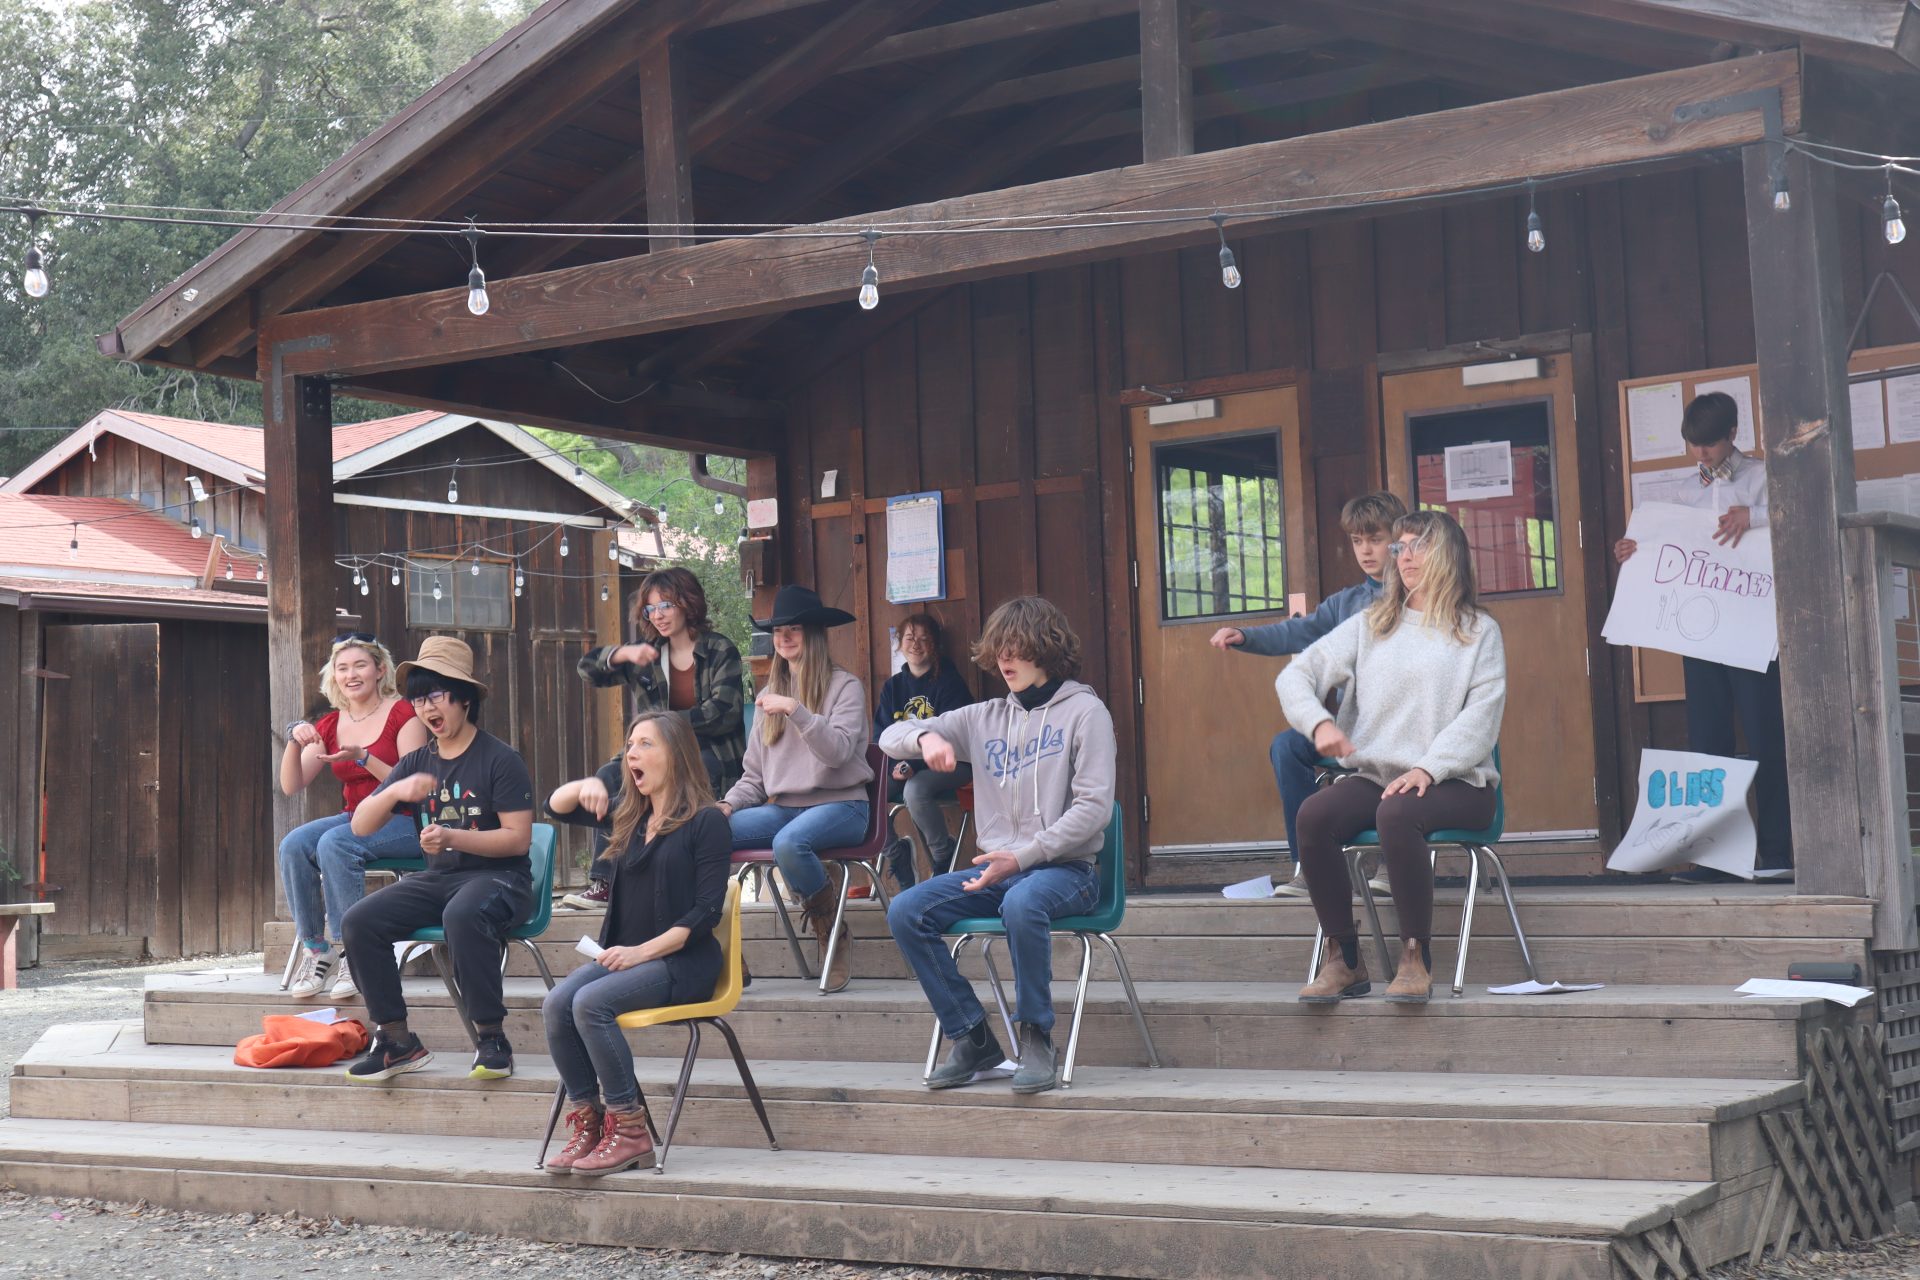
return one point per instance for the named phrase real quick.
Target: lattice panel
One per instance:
(1664, 1253)
(1897, 976)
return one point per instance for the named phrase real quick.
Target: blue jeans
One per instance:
(794, 834)
(1029, 902)
(1294, 769)
(323, 864)
(583, 1031)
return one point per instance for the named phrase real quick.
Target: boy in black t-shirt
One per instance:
(472, 797)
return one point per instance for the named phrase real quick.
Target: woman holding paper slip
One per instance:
(670, 851)
(1426, 676)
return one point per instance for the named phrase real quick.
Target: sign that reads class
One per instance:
(1692, 808)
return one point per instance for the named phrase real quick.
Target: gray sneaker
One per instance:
(964, 1059)
(1294, 888)
(1039, 1065)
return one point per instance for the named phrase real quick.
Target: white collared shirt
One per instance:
(1746, 487)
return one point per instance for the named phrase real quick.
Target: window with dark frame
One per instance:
(468, 601)
(1515, 537)
(1222, 527)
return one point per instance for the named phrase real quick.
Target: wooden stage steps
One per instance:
(1483, 1136)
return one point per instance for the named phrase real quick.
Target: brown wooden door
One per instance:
(1527, 554)
(102, 778)
(1221, 521)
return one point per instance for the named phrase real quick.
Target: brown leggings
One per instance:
(1333, 815)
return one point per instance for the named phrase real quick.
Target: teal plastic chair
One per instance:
(434, 939)
(397, 866)
(1107, 913)
(1478, 846)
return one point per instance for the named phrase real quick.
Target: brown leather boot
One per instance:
(624, 1144)
(1337, 980)
(588, 1125)
(1413, 980)
(819, 910)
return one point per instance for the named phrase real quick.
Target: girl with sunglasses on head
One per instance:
(322, 863)
(679, 664)
(1425, 671)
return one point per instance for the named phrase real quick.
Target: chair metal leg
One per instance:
(293, 958)
(1356, 871)
(1133, 997)
(760, 872)
(746, 1079)
(933, 1047)
(999, 993)
(839, 918)
(1079, 1007)
(1466, 921)
(879, 886)
(1319, 945)
(553, 1121)
(663, 1145)
(1513, 913)
(540, 961)
(453, 991)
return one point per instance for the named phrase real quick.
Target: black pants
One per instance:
(1716, 694)
(477, 908)
(1333, 815)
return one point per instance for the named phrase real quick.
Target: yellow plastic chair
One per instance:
(726, 995)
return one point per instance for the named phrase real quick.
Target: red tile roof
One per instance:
(187, 600)
(244, 445)
(116, 537)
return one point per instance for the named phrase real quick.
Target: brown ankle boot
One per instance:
(1413, 980)
(624, 1144)
(819, 910)
(1337, 980)
(588, 1125)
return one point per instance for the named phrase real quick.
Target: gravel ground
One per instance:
(52, 1239)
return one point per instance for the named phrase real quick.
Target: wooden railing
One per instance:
(1881, 550)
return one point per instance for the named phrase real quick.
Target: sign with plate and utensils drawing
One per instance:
(1692, 808)
(1683, 592)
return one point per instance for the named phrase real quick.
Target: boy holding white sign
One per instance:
(1733, 487)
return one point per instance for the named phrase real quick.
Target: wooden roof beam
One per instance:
(664, 151)
(1336, 82)
(1012, 24)
(1882, 33)
(1467, 149)
(1390, 24)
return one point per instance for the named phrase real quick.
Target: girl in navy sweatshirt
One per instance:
(927, 686)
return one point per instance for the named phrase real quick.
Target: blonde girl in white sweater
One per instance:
(1425, 673)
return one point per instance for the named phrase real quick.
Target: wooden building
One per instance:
(155, 640)
(1043, 191)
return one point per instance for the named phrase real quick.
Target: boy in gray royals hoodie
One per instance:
(1043, 769)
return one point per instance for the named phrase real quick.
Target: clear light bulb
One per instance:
(1229, 273)
(603, 593)
(870, 288)
(519, 580)
(35, 279)
(230, 573)
(437, 593)
(1536, 238)
(73, 547)
(476, 566)
(363, 587)
(196, 530)
(395, 579)
(453, 491)
(477, 300)
(516, 593)
(613, 550)
(1896, 226)
(719, 506)
(1782, 199)
(563, 546)
(260, 572)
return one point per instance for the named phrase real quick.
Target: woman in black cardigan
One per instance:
(670, 850)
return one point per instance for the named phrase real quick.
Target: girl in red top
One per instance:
(322, 863)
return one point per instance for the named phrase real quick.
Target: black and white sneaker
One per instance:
(493, 1060)
(385, 1059)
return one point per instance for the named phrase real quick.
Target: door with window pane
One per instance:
(1219, 525)
(1502, 461)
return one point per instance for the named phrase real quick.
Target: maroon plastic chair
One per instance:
(865, 855)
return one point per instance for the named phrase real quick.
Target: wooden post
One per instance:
(1166, 81)
(301, 578)
(664, 124)
(1800, 337)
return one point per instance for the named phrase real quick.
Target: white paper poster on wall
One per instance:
(1741, 389)
(1685, 593)
(1653, 421)
(1869, 415)
(1480, 470)
(1691, 808)
(1663, 486)
(1903, 410)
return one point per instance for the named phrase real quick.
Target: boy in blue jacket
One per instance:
(1368, 522)
(926, 687)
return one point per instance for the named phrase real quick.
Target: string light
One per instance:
(260, 572)
(719, 506)
(363, 584)
(195, 529)
(1229, 274)
(1892, 223)
(578, 474)
(394, 578)
(1782, 198)
(613, 549)
(477, 300)
(870, 278)
(476, 564)
(73, 546)
(453, 485)
(230, 572)
(603, 593)
(34, 280)
(1536, 238)
(519, 578)
(563, 544)
(436, 587)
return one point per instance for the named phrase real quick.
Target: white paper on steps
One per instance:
(1258, 887)
(1532, 988)
(326, 1016)
(1837, 992)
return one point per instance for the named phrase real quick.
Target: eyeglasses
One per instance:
(435, 699)
(663, 606)
(1398, 549)
(353, 637)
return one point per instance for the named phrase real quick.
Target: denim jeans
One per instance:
(1295, 765)
(923, 794)
(323, 864)
(583, 1032)
(794, 834)
(1028, 902)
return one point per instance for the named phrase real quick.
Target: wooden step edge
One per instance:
(1436, 1202)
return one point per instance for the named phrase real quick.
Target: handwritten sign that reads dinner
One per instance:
(1685, 593)
(1692, 808)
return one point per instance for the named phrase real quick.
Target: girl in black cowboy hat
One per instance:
(805, 776)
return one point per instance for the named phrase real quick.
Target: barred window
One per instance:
(1222, 527)
(1515, 535)
(465, 600)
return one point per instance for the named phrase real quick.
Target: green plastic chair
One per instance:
(434, 939)
(1478, 846)
(1107, 913)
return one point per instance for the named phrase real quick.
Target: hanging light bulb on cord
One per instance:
(1782, 198)
(603, 593)
(1892, 223)
(1229, 271)
(34, 280)
(260, 571)
(476, 564)
(73, 546)
(1536, 237)
(477, 301)
(563, 544)
(394, 578)
(453, 485)
(437, 593)
(870, 278)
